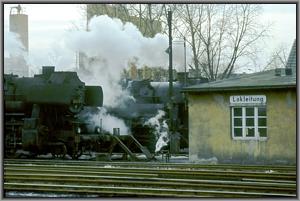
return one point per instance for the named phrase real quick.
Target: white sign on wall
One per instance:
(248, 99)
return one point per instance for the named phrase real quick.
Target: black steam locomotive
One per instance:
(40, 112)
(149, 98)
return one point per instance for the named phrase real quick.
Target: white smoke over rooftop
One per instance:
(57, 54)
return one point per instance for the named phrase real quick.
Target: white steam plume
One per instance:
(54, 55)
(12, 45)
(112, 44)
(108, 121)
(117, 43)
(161, 130)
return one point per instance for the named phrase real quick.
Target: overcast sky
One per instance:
(49, 22)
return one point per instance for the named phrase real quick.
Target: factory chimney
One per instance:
(18, 23)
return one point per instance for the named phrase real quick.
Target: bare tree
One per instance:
(278, 58)
(150, 17)
(247, 32)
(219, 35)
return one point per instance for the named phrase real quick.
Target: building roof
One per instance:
(291, 62)
(261, 80)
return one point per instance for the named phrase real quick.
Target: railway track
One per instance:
(141, 179)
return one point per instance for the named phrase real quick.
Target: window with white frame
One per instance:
(249, 122)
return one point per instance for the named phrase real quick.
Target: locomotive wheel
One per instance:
(77, 155)
(59, 150)
(75, 151)
(11, 154)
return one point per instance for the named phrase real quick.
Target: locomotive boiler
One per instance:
(40, 112)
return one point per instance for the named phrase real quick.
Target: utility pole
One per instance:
(170, 72)
(185, 76)
(87, 17)
(173, 135)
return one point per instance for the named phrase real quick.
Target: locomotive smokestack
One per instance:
(94, 96)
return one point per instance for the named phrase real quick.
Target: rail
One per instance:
(150, 179)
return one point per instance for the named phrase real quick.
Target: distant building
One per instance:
(157, 74)
(147, 27)
(249, 119)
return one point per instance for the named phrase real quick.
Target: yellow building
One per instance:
(249, 120)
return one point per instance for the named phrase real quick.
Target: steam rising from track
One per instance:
(161, 130)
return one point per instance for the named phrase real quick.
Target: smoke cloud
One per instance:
(102, 119)
(12, 45)
(110, 45)
(117, 43)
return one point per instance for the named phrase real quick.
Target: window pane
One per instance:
(262, 132)
(237, 111)
(237, 121)
(262, 111)
(238, 132)
(250, 111)
(249, 121)
(250, 132)
(262, 121)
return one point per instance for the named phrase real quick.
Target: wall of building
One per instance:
(210, 136)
